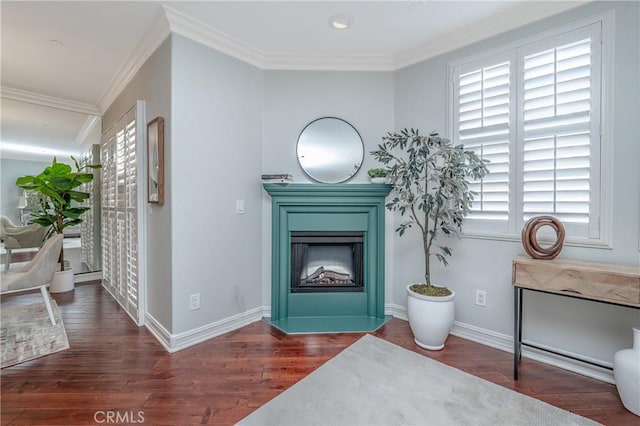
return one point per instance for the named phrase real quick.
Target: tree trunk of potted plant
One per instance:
(430, 178)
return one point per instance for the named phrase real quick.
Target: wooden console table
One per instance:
(600, 282)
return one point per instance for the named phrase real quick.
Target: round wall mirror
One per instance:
(330, 150)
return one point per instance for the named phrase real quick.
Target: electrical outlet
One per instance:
(481, 298)
(195, 302)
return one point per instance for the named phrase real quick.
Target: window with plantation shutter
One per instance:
(483, 124)
(534, 111)
(560, 129)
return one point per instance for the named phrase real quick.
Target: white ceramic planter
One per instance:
(430, 318)
(626, 371)
(62, 281)
(378, 180)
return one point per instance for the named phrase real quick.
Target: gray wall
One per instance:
(592, 329)
(216, 130)
(10, 170)
(153, 85)
(226, 121)
(292, 99)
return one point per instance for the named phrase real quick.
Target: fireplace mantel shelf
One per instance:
(305, 207)
(328, 189)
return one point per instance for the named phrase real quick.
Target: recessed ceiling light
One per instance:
(340, 21)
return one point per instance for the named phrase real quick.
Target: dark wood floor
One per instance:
(113, 365)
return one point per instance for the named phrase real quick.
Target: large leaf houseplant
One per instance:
(59, 197)
(430, 178)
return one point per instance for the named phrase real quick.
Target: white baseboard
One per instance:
(482, 335)
(88, 276)
(159, 332)
(397, 311)
(505, 343)
(177, 342)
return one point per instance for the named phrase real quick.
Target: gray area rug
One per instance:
(374, 382)
(27, 333)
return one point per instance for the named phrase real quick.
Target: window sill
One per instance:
(575, 242)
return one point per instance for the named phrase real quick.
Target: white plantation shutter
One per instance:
(560, 131)
(131, 215)
(534, 112)
(484, 98)
(109, 209)
(120, 213)
(90, 235)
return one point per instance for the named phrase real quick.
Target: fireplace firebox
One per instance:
(327, 261)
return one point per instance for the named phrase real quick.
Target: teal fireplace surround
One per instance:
(327, 207)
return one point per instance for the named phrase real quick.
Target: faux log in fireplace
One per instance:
(327, 257)
(327, 261)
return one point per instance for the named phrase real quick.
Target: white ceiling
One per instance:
(35, 132)
(78, 55)
(379, 28)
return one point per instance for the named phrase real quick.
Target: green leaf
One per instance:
(58, 194)
(78, 195)
(84, 177)
(43, 221)
(429, 176)
(58, 169)
(62, 183)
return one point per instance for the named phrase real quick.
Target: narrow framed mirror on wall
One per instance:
(32, 135)
(330, 150)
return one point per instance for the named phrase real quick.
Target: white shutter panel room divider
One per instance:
(122, 207)
(108, 192)
(483, 99)
(90, 234)
(560, 129)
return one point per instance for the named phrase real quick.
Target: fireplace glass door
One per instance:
(327, 262)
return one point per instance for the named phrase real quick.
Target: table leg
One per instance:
(517, 330)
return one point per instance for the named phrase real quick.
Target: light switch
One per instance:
(239, 206)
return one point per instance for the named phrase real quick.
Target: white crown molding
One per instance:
(329, 63)
(193, 29)
(147, 45)
(87, 127)
(21, 156)
(170, 20)
(47, 101)
(510, 19)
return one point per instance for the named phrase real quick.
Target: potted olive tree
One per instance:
(59, 205)
(430, 179)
